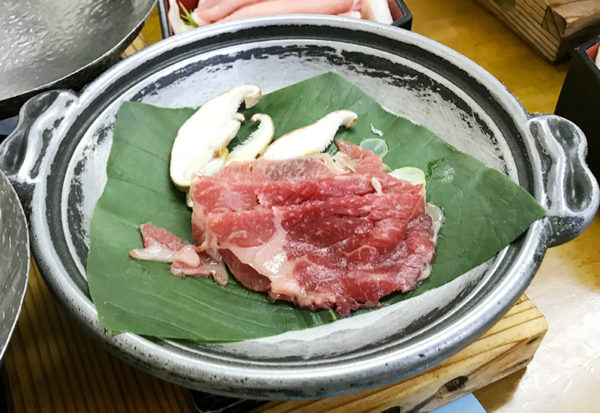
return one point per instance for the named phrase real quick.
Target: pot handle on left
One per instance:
(23, 152)
(571, 194)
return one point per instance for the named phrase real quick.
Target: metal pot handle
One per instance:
(571, 193)
(23, 152)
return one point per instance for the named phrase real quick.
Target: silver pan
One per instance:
(61, 43)
(59, 179)
(14, 260)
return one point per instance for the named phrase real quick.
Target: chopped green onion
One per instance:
(187, 16)
(413, 175)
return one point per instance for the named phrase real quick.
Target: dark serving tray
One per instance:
(579, 99)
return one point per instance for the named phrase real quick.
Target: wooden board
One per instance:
(504, 349)
(552, 27)
(564, 18)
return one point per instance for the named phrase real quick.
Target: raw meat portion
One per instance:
(215, 197)
(271, 7)
(212, 11)
(344, 253)
(161, 245)
(245, 274)
(323, 238)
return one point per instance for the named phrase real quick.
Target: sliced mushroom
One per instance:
(201, 142)
(377, 10)
(310, 139)
(256, 142)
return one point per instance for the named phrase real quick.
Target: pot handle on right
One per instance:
(571, 194)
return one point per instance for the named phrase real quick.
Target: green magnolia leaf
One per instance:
(484, 212)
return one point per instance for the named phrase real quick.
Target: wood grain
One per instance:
(565, 18)
(549, 26)
(526, 19)
(52, 366)
(138, 44)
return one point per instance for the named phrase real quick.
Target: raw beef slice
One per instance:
(163, 246)
(315, 233)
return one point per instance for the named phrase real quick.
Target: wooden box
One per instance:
(552, 27)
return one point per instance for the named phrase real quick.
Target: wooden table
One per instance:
(52, 366)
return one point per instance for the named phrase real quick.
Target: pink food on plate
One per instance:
(184, 16)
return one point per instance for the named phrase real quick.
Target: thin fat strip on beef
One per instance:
(159, 244)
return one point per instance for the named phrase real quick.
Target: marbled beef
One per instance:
(318, 231)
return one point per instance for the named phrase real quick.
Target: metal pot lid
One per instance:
(64, 43)
(14, 260)
(60, 177)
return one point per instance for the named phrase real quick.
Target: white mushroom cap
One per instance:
(201, 142)
(310, 139)
(256, 142)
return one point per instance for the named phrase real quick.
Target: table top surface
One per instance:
(563, 376)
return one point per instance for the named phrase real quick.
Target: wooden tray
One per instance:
(504, 349)
(552, 27)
